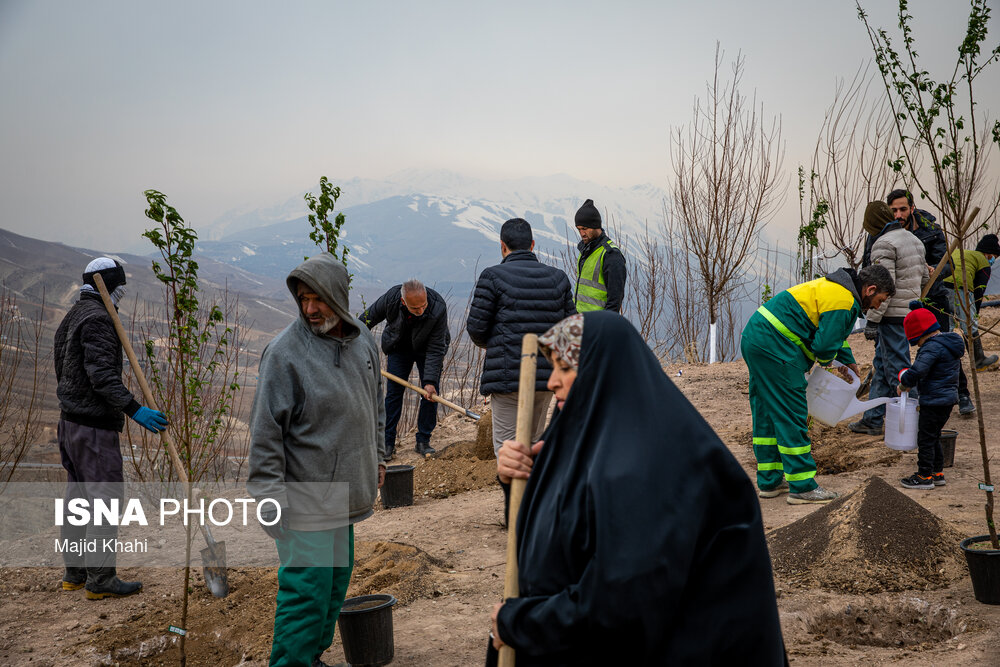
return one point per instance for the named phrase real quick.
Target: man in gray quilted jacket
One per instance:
(902, 254)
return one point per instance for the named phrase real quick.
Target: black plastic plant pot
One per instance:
(984, 568)
(397, 491)
(366, 630)
(948, 438)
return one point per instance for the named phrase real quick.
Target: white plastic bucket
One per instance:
(901, 423)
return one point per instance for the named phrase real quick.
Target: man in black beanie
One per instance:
(600, 281)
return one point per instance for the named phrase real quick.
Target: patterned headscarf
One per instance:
(564, 339)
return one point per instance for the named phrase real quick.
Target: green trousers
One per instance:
(310, 597)
(778, 403)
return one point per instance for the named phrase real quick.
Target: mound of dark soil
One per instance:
(873, 540)
(443, 477)
(401, 570)
(463, 466)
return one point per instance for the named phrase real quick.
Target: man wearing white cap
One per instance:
(93, 401)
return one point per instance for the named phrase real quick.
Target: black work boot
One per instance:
(982, 362)
(965, 405)
(74, 578)
(103, 582)
(425, 449)
(390, 453)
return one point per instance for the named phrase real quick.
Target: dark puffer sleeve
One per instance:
(101, 351)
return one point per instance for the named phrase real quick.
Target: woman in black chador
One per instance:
(640, 539)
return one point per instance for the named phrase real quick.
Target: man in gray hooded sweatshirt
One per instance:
(316, 450)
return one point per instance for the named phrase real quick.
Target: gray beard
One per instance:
(328, 323)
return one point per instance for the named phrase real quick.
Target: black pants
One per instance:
(400, 365)
(931, 419)
(92, 458)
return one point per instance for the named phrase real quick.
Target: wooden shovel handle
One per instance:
(139, 375)
(525, 422)
(437, 399)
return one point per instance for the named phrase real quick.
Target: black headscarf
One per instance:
(640, 539)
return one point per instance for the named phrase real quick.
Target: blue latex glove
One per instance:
(276, 530)
(151, 420)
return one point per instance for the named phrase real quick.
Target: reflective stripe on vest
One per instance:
(786, 332)
(591, 291)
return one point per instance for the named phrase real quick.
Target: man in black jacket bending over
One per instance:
(93, 403)
(416, 332)
(517, 296)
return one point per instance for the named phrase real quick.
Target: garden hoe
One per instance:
(213, 557)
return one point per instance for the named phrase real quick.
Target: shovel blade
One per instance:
(213, 558)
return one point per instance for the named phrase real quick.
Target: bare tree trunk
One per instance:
(726, 165)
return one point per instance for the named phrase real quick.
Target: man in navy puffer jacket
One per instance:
(519, 295)
(935, 374)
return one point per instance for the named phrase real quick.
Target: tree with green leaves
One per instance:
(194, 363)
(326, 234)
(810, 263)
(939, 123)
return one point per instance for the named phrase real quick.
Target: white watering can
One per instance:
(901, 423)
(832, 400)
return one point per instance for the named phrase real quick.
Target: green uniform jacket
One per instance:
(810, 321)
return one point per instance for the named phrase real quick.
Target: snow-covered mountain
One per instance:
(435, 225)
(441, 240)
(627, 209)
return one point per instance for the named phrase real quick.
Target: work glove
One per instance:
(151, 420)
(276, 530)
(871, 331)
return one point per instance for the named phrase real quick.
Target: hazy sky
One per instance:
(225, 105)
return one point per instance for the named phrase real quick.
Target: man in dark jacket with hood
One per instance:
(600, 281)
(93, 403)
(416, 332)
(923, 225)
(518, 296)
(316, 451)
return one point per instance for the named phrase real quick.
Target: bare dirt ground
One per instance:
(857, 598)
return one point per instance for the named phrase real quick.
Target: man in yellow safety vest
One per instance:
(600, 280)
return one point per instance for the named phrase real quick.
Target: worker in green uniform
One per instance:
(805, 323)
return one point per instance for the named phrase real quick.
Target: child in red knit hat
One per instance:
(935, 375)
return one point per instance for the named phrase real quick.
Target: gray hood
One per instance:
(327, 276)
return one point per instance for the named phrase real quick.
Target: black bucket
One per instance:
(366, 630)
(398, 488)
(948, 446)
(984, 568)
